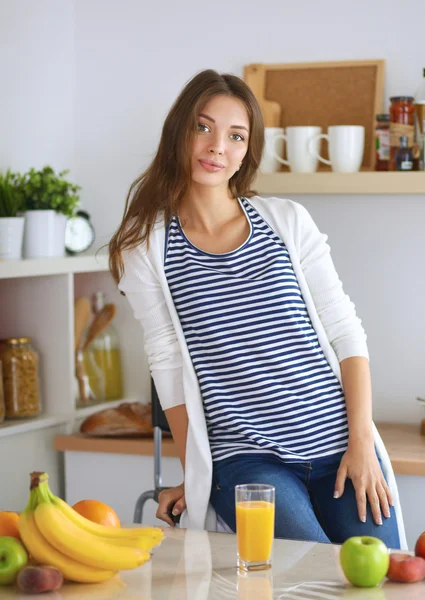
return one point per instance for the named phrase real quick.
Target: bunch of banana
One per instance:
(83, 551)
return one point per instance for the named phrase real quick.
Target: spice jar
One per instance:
(20, 379)
(402, 111)
(382, 142)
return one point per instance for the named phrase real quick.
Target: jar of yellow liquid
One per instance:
(102, 359)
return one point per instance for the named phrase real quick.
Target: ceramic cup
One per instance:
(300, 158)
(346, 147)
(273, 147)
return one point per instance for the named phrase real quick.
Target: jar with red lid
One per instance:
(402, 113)
(382, 142)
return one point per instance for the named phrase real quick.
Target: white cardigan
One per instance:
(331, 312)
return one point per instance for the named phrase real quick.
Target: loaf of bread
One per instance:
(129, 419)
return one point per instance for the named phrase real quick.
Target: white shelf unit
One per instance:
(37, 300)
(364, 182)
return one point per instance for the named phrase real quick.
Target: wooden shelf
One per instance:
(134, 446)
(11, 269)
(405, 446)
(14, 427)
(365, 182)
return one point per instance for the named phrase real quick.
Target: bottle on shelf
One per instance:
(404, 155)
(420, 121)
(103, 354)
(402, 112)
(382, 142)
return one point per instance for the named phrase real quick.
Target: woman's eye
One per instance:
(202, 127)
(237, 137)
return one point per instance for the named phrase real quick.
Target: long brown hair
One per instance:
(165, 182)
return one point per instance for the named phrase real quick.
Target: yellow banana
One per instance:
(45, 553)
(143, 537)
(81, 545)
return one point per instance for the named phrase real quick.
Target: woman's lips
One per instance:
(211, 165)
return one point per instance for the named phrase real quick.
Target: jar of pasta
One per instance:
(20, 379)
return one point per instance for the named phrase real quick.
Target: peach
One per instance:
(420, 546)
(35, 580)
(406, 568)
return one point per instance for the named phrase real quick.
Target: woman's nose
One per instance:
(216, 146)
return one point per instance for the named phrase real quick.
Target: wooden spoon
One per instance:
(82, 314)
(100, 322)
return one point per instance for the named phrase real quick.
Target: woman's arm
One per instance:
(173, 499)
(347, 337)
(178, 422)
(360, 462)
(144, 293)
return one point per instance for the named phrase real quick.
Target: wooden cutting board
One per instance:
(255, 77)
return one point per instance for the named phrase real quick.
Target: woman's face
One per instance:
(221, 141)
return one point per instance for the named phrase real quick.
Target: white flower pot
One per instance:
(11, 234)
(44, 235)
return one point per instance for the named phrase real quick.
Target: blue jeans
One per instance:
(305, 507)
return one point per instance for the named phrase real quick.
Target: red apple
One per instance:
(420, 546)
(406, 568)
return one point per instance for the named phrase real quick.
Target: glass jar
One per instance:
(20, 379)
(382, 142)
(102, 359)
(402, 111)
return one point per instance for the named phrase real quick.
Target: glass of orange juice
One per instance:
(254, 525)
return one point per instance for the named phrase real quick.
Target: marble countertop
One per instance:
(198, 565)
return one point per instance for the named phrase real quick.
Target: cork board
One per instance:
(322, 94)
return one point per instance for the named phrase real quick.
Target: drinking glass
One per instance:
(254, 525)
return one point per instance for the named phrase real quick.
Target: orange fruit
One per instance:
(9, 524)
(97, 511)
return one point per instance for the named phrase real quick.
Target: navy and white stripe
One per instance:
(266, 385)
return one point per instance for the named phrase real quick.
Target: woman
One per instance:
(258, 358)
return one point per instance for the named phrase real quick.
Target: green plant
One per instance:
(44, 190)
(11, 200)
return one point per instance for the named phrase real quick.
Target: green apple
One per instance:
(13, 558)
(364, 560)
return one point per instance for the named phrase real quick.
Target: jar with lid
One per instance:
(402, 111)
(382, 142)
(20, 379)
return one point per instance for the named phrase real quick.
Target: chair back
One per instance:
(158, 416)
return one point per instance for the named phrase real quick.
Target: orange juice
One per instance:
(255, 530)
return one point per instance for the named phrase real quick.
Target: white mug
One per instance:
(273, 145)
(300, 157)
(346, 147)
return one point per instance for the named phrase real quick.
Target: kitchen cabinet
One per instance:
(37, 300)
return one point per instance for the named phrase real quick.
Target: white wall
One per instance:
(37, 75)
(134, 57)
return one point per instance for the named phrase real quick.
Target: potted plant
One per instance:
(11, 222)
(49, 200)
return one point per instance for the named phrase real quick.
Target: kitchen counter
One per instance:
(200, 565)
(405, 446)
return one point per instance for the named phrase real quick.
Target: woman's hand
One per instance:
(171, 500)
(361, 465)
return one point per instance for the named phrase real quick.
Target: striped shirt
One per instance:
(266, 385)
